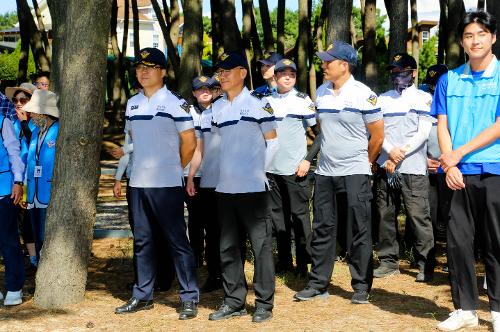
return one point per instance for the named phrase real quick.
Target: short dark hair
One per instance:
(483, 18)
(39, 74)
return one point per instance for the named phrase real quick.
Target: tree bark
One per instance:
(397, 10)
(321, 24)
(27, 21)
(173, 56)
(175, 22)
(494, 8)
(443, 28)
(302, 46)
(480, 4)
(454, 52)
(62, 272)
(22, 71)
(215, 10)
(123, 53)
(192, 42)
(41, 27)
(369, 48)
(267, 28)
(339, 21)
(415, 51)
(247, 6)
(280, 27)
(114, 117)
(231, 36)
(135, 26)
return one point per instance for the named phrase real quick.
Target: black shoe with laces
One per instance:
(261, 315)
(360, 297)
(134, 305)
(189, 309)
(226, 312)
(310, 293)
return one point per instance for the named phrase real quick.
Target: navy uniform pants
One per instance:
(212, 229)
(163, 209)
(358, 230)
(289, 199)
(10, 246)
(475, 215)
(415, 195)
(239, 215)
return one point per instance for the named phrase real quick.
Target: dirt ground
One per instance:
(397, 303)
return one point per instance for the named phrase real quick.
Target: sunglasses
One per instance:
(22, 100)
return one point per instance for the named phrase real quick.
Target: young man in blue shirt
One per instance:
(466, 103)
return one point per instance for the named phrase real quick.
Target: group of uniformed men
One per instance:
(248, 159)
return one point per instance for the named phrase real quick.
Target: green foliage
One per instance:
(206, 53)
(427, 57)
(9, 63)
(8, 20)
(207, 26)
(291, 26)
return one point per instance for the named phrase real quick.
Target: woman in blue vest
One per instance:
(41, 156)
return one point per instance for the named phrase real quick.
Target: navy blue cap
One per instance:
(271, 59)
(215, 81)
(231, 59)
(201, 81)
(403, 61)
(151, 57)
(434, 73)
(339, 50)
(284, 64)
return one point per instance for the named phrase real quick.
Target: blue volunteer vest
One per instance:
(471, 108)
(6, 176)
(45, 157)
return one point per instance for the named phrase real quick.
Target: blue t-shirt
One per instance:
(439, 108)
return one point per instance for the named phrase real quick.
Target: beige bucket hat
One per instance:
(43, 102)
(25, 87)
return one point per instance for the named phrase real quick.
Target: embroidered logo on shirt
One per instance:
(372, 100)
(51, 143)
(185, 107)
(161, 107)
(244, 112)
(268, 108)
(134, 107)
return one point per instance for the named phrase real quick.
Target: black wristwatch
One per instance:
(19, 183)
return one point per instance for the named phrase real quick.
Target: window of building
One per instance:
(156, 40)
(425, 36)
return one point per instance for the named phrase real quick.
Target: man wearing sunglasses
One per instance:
(403, 173)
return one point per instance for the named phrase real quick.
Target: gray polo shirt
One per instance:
(402, 114)
(241, 125)
(343, 119)
(195, 112)
(211, 145)
(154, 125)
(294, 112)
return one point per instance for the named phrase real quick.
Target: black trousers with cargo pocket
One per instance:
(358, 230)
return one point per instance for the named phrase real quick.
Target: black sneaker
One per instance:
(261, 315)
(360, 297)
(384, 271)
(310, 293)
(226, 312)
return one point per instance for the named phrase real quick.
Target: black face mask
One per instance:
(402, 80)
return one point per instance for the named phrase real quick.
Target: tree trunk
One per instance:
(302, 46)
(494, 8)
(215, 10)
(62, 272)
(321, 24)
(135, 24)
(175, 22)
(311, 55)
(414, 34)
(454, 52)
(22, 71)
(443, 28)
(27, 21)
(480, 4)
(192, 42)
(114, 117)
(173, 57)
(280, 27)
(41, 27)
(339, 21)
(369, 49)
(247, 6)
(397, 10)
(231, 33)
(123, 54)
(267, 28)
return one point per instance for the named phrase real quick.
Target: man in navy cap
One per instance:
(158, 120)
(248, 143)
(402, 176)
(352, 133)
(267, 71)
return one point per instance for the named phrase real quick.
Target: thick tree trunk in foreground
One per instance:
(231, 35)
(369, 49)
(397, 10)
(62, 273)
(339, 21)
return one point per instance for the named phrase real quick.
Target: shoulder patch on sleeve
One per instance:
(257, 94)
(268, 108)
(177, 95)
(312, 107)
(372, 99)
(302, 95)
(185, 107)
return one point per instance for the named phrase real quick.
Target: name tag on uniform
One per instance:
(38, 171)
